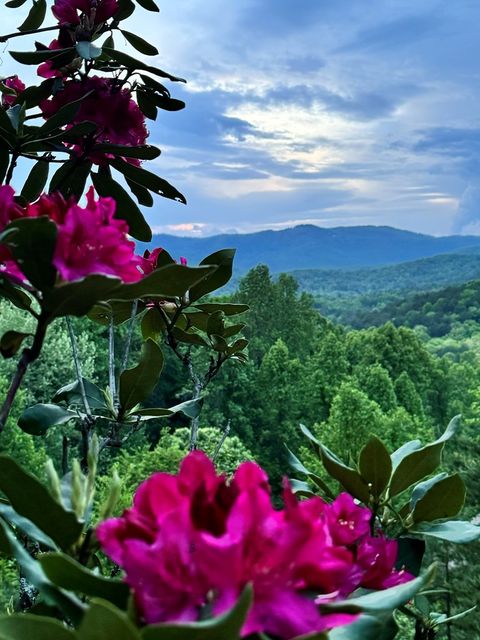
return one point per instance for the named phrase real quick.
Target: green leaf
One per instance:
(138, 383)
(407, 448)
(170, 281)
(32, 96)
(142, 152)
(147, 103)
(32, 244)
(410, 555)
(457, 616)
(422, 487)
(34, 574)
(16, 295)
(117, 310)
(11, 341)
(147, 179)
(37, 57)
(36, 181)
(126, 208)
(223, 260)
(37, 419)
(63, 116)
(224, 627)
(152, 325)
(375, 466)
(77, 298)
(237, 346)
(35, 16)
(140, 44)
(103, 621)
(190, 408)
(131, 63)
(380, 627)
(87, 50)
(149, 5)
(349, 478)
(142, 194)
(70, 178)
(14, 4)
(67, 573)
(443, 500)
(33, 501)
(227, 308)
(71, 394)
(295, 463)
(457, 531)
(24, 626)
(421, 463)
(169, 104)
(26, 526)
(16, 114)
(385, 600)
(4, 161)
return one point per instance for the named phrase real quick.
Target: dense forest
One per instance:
(344, 383)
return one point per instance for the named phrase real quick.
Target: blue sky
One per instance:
(331, 112)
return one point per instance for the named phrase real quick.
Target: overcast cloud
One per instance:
(328, 112)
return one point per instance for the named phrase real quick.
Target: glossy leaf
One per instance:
(67, 573)
(4, 161)
(71, 394)
(148, 179)
(420, 463)
(298, 466)
(190, 408)
(147, 103)
(33, 501)
(16, 295)
(34, 574)
(77, 298)
(21, 626)
(443, 500)
(457, 531)
(153, 325)
(126, 209)
(375, 466)
(37, 57)
(170, 281)
(117, 310)
(223, 260)
(385, 600)
(138, 383)
(35, 16)
(131, 63)
(422, 487)
(142, 194)
(349, 478)
(410, 555)
(403, 451)
(37, 419)
(140, 44)
(367, 627)
(227, 308)
(103, 621)
(32, 244)
(26, 526)
(149, 5)
(35, 183)
(11, 341)
(224, 627)
(142, 152)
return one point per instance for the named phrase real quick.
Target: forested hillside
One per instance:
(345, 384)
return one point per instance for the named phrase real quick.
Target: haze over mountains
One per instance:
(312, 247)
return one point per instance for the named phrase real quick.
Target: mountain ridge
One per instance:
(312, 247)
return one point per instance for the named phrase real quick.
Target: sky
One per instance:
(326, 112)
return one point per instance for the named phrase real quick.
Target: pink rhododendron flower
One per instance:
(118, 117)
(93, 11)
(16, 85)
(90, 240)
(196, 539)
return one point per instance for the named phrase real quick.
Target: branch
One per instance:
(78, 368)
(111, 362)
(29, 355)
(225, 434)
(129, 335)
(17, 34)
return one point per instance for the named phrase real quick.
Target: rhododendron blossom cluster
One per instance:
(15, 84)
(117, 116)
(195, 540)
(93, 12)
(90, 240)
